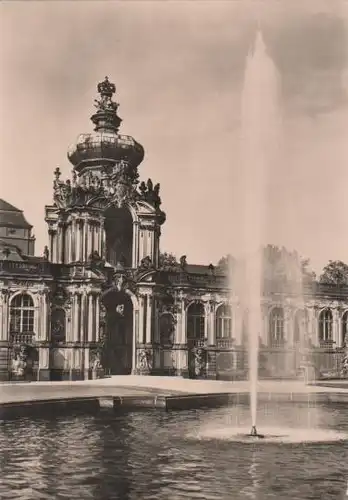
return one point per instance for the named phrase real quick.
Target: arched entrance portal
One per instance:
(118, 350)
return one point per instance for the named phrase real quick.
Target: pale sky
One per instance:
(178, 69)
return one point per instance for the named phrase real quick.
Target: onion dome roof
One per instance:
(11, 216)
(105, 145)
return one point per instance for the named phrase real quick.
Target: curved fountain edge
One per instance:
(135, 398)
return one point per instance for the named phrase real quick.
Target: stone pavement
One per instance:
(135, 385)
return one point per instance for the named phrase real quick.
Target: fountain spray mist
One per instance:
(258, 142)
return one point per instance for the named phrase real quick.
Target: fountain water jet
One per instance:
(259, 128)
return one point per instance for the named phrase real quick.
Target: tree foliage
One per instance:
(167, 260)
(335, 273)
(227, 262)
(278, 263)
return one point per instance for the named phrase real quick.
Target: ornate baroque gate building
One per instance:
(101, 295)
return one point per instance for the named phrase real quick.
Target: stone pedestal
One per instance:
(43, 374)
(4, 361)
(181, 368)
(211, 364)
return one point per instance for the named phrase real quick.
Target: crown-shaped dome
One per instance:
(105, 145)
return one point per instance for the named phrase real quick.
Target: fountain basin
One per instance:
(271, 435)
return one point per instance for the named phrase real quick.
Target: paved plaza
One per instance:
(133, 385)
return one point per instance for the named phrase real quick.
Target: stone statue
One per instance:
(344, 371)
(120, 282)
(19, 363)
(142, 188)
(46, 253)
(96, 364)
(146, 263)
(183, 261)
(199, 360)
(145, 360)
(120, 309)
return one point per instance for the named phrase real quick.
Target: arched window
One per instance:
(224, 322)
(195, 321)
(344, 336)
(300, 325)
(276, 326)
(58, 325)
(325, 326)
(22, 314)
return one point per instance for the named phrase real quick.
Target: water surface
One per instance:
(155, 455)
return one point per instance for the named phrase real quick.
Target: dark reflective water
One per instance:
(149, 455)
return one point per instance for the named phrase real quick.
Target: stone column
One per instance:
(97, 318)
(335, 327)
(4, 314)
(206, 320)
(103, 241)
(57, 245)
(85, 239)
(85, 353)
(288, 330)
(84, 317)
(141, 320)
(265, 333)
(313, 325)
(182, 354)
(76, 317)
(135, 339)
(43, 330)
(340, 332)
(90, 318)
(70, 256)
(44, 363)
(78, 240)
(4, 335)
(211, 331)
(183, 334)
(148, 337)
(51, 234)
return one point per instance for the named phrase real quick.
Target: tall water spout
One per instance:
(259, 139)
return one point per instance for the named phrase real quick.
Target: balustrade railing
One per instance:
(224, 343)
(22, 337)
(199, 280)
(15, 267)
